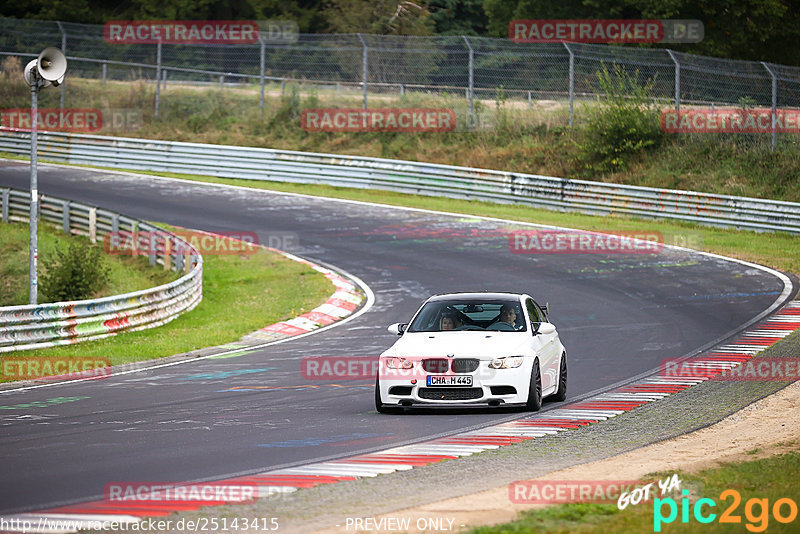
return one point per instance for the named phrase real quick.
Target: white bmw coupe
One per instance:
(495, 349)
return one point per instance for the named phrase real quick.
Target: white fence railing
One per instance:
(47, 325)
(411, 177)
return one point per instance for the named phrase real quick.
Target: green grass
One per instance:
(241, 293)
(770, 478)
(514, 136)
(126, 273)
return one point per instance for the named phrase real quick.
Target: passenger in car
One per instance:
(450, 322)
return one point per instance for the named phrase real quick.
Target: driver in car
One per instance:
(508, 315)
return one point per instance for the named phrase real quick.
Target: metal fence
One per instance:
(412, 177)
(62, 323)
(477, 67)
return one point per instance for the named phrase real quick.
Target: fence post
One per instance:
(571, 83)
(158, 76)
(471, 91)
(774, 106)
(63, 51)
(105, 68)
(677, 80)
(164, 78)
(262, 68)
(364, 64)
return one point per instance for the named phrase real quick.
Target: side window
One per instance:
(535, 314)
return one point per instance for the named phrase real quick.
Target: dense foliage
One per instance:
(761, 30)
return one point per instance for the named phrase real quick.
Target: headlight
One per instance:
(506, 363)
(398, 363)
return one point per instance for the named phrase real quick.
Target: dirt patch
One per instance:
(770, 426)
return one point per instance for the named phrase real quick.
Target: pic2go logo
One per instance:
(756, 511)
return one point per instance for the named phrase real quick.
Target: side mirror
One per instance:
(546, 329)
(397, 328)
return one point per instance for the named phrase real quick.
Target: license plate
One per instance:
(449, 381)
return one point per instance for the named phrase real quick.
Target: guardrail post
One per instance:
(151, 249)
(677, 80)
(115, 223)
(283, 85)
(179, 255)
(471, 89)
(93, 225)
(164, 78)
(63, 51)
(135, 238)
(167, 252)
(6, 195)
(105, 72)
(65, 217)
(364, 65)
(571, 83)
(774, 106)
(221, 81)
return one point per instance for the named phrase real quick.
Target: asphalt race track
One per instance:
(618, 315)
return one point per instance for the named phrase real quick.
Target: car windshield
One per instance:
(495, 315)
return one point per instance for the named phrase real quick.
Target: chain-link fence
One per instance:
(477, 67)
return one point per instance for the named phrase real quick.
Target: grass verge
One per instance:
(511, 135)
(126, 273)
(241, 293)
(768, 479)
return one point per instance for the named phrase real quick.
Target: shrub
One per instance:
(13, 90)
(76, 273)
(624, 122)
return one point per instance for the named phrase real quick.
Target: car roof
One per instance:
(477, 295)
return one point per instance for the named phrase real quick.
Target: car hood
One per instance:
(484, 345)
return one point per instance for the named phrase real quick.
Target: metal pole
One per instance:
(158, 76)
(677, 80)
(164, 78)
(105, 69)
(63, 51)
(471, 80)
(33, 250)
(774, 107)
(262, 68)
(571, 84)
(364, 68)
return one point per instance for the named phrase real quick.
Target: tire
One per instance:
(561, 392)
(534, 403)
(379, 402)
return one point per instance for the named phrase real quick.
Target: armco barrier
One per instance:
(410, 177)
(61, 323)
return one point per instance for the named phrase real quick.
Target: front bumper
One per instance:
(490, 387)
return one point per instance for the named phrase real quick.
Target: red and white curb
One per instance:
(342, 303)
(582, 413)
